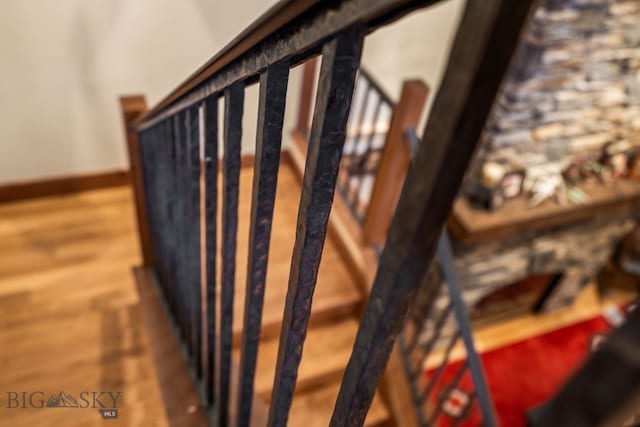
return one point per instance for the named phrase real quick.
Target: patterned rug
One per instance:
(521, 375)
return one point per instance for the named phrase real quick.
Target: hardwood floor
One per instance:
(69, 313)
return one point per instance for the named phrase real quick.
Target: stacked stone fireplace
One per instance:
(572, 95)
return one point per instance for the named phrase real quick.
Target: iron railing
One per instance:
(450, 391)
(367, 128)
(172, 133)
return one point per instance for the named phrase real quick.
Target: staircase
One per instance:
(334, 316)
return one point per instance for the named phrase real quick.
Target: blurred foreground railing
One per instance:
(172, 134)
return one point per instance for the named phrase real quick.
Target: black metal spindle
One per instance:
(440, 370)
(340, 60)
(193, 235)
(438, 327)
(455, 293)
(173, 214)
(160, 214)
(211, 209)
(424, 310)
(234, 105)
(170, 217)
(273, 91)
(180, 221)
(349, 189)
(363, 161)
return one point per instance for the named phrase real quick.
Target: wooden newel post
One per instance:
(132, 107)
(395, 162)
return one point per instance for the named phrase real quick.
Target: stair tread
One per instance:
(325, 355)
(336, 293)
(314, 408)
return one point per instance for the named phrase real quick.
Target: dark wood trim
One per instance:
(131, 107)
(62, 185)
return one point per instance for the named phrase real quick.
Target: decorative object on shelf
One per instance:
(500, 180)
(513, 183)
(634, 164)
(546, 187)
(576, 196)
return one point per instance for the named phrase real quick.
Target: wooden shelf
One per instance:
(469, 224)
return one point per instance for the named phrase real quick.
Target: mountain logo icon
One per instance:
(62, 400)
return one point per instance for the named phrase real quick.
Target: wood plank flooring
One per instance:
(69, 314)
(69, 309)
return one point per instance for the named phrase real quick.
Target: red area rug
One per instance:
(520, 376)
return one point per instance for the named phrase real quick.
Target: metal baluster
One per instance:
(234, 104)
(438, 326)
(173, 231)
(146, 164)
(168, 233)
(445, 361)
(351, 193)
(340, 60)
(273, 91)
(180, 204)
(211, 207)
(464, 324)
(362, 163)
(425, 312)
(193, 235)
(159, 212)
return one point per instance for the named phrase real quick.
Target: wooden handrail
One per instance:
(265, 34)
(395, 162)
(132, 107)
(275, 17)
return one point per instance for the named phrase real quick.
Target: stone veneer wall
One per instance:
(574, 86)
(578, 251)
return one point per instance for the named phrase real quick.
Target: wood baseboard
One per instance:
(62, 185)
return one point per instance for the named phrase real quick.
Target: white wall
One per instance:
(64, 63)
(416, 46)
